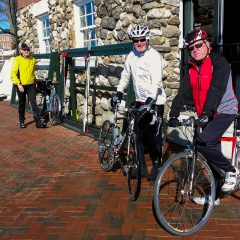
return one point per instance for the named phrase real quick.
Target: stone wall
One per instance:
(114, 19)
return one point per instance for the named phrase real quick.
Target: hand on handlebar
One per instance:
(147, 106)
(173, 122)
(202, 121)
(117, 98)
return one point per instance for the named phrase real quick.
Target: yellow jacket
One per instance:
(23, 70)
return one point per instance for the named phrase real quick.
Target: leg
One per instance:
(140, 148)
(32, 99)
(212, 149)
(21, 105)
(157, 146)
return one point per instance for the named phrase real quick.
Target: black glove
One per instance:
(146, 106)
(116, 98)
(202, 121)
(173, 122)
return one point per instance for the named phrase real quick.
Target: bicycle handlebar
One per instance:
(191, 121)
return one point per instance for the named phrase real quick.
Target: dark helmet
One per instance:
(193, 36)
(140, 31)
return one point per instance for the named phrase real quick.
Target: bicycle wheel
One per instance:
(133, 169)
(173, 201)
(54, 110)
(105, 146)
(40, 104)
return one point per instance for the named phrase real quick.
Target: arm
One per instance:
(184, 92)
(14, 75)
(156, 71)
(125, 76)
(220, 76)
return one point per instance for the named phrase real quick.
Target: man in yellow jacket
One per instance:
(23, 76)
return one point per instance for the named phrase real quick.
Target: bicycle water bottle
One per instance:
(116, 132)
(47, 102)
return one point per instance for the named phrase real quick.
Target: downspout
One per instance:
(218, 22)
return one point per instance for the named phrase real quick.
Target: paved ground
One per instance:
(52, 187)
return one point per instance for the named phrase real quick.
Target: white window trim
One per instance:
(78, 35)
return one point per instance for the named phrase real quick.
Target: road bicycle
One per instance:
(116, 149)
(48, 101)
(187, 175)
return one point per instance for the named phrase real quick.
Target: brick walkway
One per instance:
(52, 187)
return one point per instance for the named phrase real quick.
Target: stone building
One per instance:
(55, 25)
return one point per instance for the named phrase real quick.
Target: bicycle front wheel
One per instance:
(105, 146)
(173, 195)
(54, 110)
(133, 169)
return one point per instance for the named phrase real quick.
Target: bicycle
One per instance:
(48, 101)
(115, 148)
(187, 175)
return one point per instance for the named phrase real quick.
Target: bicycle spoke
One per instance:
(173, 198)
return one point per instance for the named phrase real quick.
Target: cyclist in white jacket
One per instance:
(145, 65)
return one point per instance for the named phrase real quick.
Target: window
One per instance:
(85, 22)
(87, 17)
(3, 38)
(7, 38)
(46, 34)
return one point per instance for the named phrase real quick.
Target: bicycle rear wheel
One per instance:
(105, 146)
(54, 110)
(173, 201)
(133, 169)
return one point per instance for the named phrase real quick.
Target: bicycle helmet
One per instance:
(193, 36)
(140, 31)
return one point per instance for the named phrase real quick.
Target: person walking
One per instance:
(209, 82)
(23, 76)
(145, 65)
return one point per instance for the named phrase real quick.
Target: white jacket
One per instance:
(146, 70)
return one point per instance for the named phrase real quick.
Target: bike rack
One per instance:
(68, 65)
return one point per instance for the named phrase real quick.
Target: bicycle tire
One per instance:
(105, 146)
(54, 110)
(174, 207)
(133, 169)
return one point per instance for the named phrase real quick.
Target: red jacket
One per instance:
(200, 83)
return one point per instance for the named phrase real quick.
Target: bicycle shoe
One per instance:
(40, 125)
(154, 172)
(203, 200)
(230, 181)
(22, 125)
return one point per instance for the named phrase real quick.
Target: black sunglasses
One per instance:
(139, 40)
(26, 49)
(198, 45)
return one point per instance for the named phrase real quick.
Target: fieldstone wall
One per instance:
(114, 19)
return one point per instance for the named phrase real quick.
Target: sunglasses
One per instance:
(26, 49)
(198, 45)
(139, 40)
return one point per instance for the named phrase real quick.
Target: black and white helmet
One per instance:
(140, 31)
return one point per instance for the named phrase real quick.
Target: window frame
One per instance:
(79, 31)
(44, 42)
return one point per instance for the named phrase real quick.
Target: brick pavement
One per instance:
(52, 187)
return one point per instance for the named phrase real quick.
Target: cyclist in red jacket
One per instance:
(209, 83)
